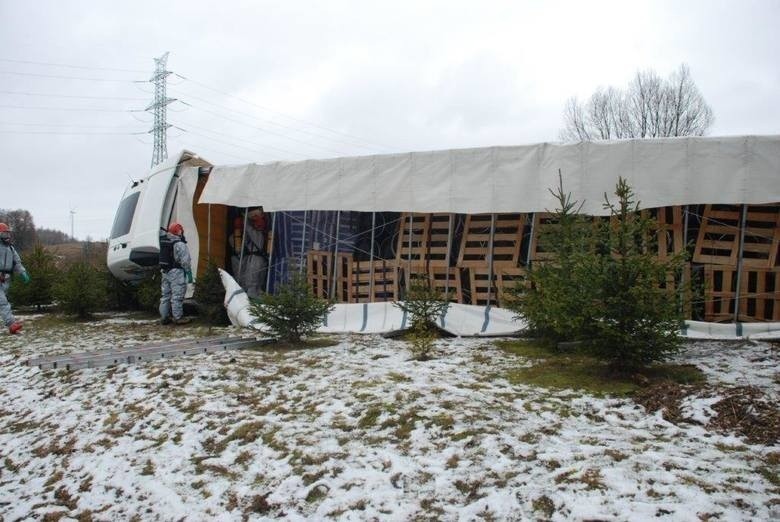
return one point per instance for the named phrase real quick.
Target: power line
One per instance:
(57, 133)
(207, 148)
(60, 77)
(270, 122)
(76, 109)
(222, 141)
(73, 66)
(241, 139)
(304, 122)
(72, 96)
(261, 129)
(60, 125)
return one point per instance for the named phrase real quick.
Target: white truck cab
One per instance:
(147, 205)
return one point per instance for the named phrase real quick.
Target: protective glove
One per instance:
(188, 273)
(25, 277)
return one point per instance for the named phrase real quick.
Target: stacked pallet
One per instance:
(717, 247)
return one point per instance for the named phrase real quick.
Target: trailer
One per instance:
(469, 220)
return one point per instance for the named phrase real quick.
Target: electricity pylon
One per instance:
(159, 109)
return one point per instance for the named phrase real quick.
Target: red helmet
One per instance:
(176, 229)
(4, 228)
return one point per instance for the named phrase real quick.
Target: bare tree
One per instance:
(23, 226)
(650, 107)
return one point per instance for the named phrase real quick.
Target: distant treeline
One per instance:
(25, 233)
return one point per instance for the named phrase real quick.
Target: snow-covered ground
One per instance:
(357, 431)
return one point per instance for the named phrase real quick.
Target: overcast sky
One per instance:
(264, 81)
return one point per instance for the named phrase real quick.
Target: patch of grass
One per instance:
(403, 424)
(307, 344)
(270, 440)
(580, 371)
(243, 458)
(54, 478)
(771, 475)
(544, 505)
(616, 455)
(317, 493)
(452, 462)
(148, 468)
(86, 484)
(465, 434)
(527, 348)
(398, 377)
(310, 478)
(246, 433)
(695, 481)
(370, 417)
(443, 420)
(63, 497)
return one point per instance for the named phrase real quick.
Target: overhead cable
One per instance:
(271, 122)
(284, 115)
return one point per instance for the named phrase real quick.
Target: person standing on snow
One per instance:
(254, 264)
(10, 263)
(175, 264)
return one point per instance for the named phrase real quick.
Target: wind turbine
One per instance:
(72, 213)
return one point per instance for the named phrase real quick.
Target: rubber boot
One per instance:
(15, 328)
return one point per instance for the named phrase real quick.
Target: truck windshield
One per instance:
(124, 215)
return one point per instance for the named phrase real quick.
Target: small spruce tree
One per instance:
(41, 267)
(81, 291)
(639, 318)
(210, 296)
(148, 292)
(425, 305)
(604, 286)
(294, 312)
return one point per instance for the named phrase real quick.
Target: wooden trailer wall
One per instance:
(211, 222)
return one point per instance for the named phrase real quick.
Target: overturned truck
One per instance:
(469, 220)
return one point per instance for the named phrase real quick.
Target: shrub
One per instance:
(119, 294)
(41, 267)
(148, 292)
(425, 305)
(294, 311)
(210, 295)
(605, 287)
(81, 290)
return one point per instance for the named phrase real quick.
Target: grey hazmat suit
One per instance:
(254, 265)
(10, 263)
(174, 280)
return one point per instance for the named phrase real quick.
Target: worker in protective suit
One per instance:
(254, 262)
(10, 263)
(175, 264)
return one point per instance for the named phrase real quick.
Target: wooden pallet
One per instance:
(670, 230)
(759, 294)
(385, 281)
(320, 267)
(429, 240)
(504, 279)
(542, 222)
(507, 240)
(438, 278)
(719, 234)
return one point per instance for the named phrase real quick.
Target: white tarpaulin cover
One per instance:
(662, 172)
(460, 319)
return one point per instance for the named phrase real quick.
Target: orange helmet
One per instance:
(4, 228)
(176, 229)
